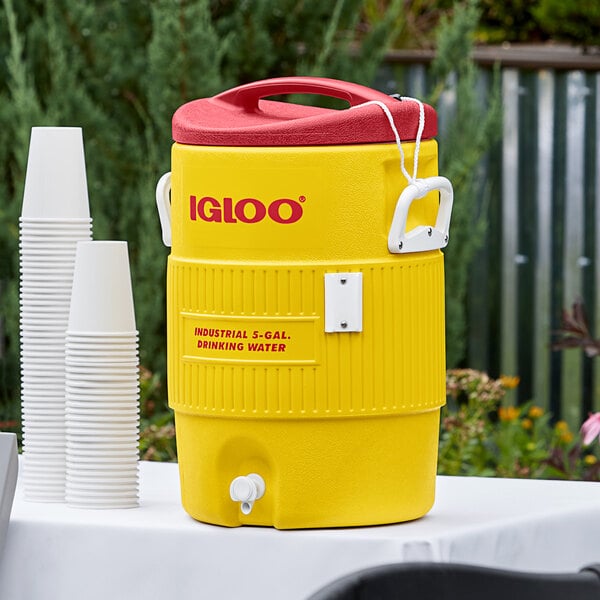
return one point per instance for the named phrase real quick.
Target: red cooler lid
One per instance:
(240, 116)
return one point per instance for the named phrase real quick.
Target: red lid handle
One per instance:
(247, 96)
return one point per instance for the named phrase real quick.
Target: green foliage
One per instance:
(480, 437)
(157, 430)
(576, 21)
(473, 128)
(509, 20)
(520, 21)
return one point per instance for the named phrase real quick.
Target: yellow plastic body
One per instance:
(343, 427)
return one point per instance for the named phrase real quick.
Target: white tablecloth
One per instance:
(157, 551)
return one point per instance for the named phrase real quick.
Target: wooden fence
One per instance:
(542, 250)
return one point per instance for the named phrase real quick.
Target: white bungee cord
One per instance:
(390, 118)
(421, 237)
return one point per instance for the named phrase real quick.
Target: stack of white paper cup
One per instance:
(102, 381)
(55, 216)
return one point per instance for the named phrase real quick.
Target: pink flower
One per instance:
(591, 428)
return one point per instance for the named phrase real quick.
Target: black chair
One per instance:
(447, 581)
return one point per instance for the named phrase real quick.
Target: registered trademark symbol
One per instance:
(302, 199)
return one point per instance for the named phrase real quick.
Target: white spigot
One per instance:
(247, 489)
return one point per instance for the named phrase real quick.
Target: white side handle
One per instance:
(163, 203)
(422, 237)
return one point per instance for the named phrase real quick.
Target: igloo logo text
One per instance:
(246, 210)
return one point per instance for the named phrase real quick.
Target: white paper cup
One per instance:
(101, 477)
(29, 291)
(75, 502)
(46, 280)
(54, 481)
(41, 410)
(90, 353)
(48, 313)
(103, 388)
(128, 365)
(127, 489)
(128, 413)
(27, 252)
(76, 222)
(100, 428)
(57, 228)
(80, 469)
(35, 422)
(101, 468)
(34, 367)
(45, 491)
(41, 372)
(104, 337)
(37, 325)
(101, 344)
(91, 438)
(100, 408)
(32, 362)
(42, 431)
(55, 471)
(54, 461)
(92, 367)
(131, 455)
(41, 443)
(33, 393)
(38, 223)
(101, 392)
(43, 497)
(37, 408)
(32, 236)
(43, 401)
(116, 463)
(102, 298)
(103, 362)
(33, 409)
(40, 274)
(40, 403)
(43, 472)
(94, 348)
(51, 444)
(55, 181)
(101, 395)
(49, 257)
(44, 356)
(101, 491)
(83, 444)
(35, 296)
(41, 415)
(77, 420)
(40, 450)
(100, 380)
(35, 466)
(32, 419)
(35, 381)
(54, 236)
(76, 452)
(39, 396)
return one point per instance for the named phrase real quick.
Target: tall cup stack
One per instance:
(55, 216)
(102, 381)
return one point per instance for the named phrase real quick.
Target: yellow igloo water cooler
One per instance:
(305, 306)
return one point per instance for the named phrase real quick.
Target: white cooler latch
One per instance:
(343, 302)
